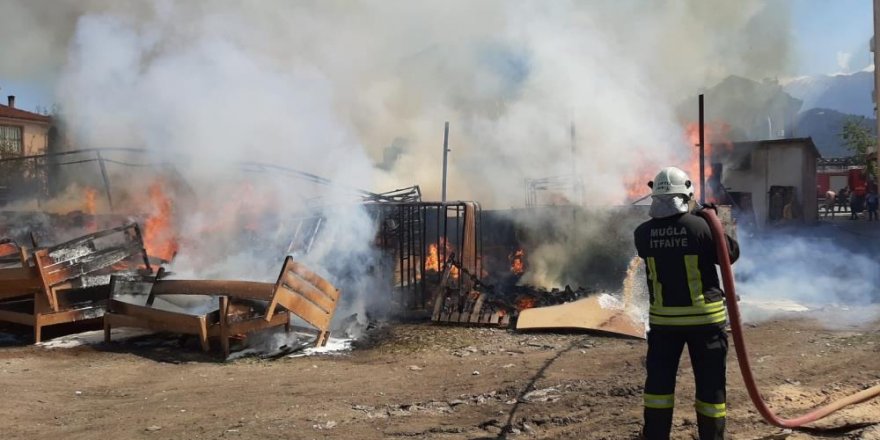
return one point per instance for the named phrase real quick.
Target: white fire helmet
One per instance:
(670, 181)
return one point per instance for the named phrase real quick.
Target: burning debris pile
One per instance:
(481, 303)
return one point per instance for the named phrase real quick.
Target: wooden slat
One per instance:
(23, 286)
(310, 292)
(314, 279)
(17, 317)
(235, 289)
(18, 273)
(16, 294)
(59, 272)
(90, 237)
(66, 316)
(254, 324)
(156, 319)
(304, 308)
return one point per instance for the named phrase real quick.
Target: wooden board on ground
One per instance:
(586, 313)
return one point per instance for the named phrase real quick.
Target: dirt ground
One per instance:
(421, 381)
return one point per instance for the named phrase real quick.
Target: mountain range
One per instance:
(845, 93)
(816, 106)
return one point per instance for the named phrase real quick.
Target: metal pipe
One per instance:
(445, 158)
(105, 178)
(702, 155)
(877, 82)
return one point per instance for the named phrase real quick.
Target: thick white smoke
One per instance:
(328, 86)
(815, 274)
(510, 76)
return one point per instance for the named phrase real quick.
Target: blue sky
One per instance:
(829, 36)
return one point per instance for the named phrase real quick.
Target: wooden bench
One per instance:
(244, 307)
(65, 283)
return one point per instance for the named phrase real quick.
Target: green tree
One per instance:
(861, 141)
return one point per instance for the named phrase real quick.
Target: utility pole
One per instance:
(575, 180)
(445, 157)
(703, 154)
(876, 80)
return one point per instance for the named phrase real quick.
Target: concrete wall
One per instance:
(808, 199)
(777, 165)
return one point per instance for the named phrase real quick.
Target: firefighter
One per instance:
(687, 307)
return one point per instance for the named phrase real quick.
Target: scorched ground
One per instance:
(420, 381)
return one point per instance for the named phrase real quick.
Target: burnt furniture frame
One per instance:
(50, 288)
(244, 306)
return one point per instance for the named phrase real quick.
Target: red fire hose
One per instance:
(740, 343)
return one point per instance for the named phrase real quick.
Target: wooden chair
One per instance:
(64, 283)
(244, 307)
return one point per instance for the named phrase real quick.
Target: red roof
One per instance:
(14, 113)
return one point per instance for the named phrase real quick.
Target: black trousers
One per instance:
(707, 346)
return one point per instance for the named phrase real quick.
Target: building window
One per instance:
(10, 141)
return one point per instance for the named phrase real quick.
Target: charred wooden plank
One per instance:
(58, 272)
(79, 241)
(236, 289)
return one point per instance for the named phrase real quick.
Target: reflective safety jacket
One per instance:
(680, 259)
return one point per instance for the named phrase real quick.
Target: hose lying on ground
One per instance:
(742, 355)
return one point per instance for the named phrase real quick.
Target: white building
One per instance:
(769, 182)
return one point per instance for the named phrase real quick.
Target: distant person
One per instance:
(788, 211)
(830, 200)
(856, 204)
(872, 201)
(842, 199)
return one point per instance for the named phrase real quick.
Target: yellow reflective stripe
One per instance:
(655, 282)
(695, 281)
(714, 410)
(714, 307)
(659, 401)
(711, 318)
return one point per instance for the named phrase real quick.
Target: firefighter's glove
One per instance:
(711, 206)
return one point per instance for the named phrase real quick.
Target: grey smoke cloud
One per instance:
(837, 285)
(326, 86)
(510, 76)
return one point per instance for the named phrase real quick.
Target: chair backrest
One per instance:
(18, 281)
(92, 253)
(305, 294)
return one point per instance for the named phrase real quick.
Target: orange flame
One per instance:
(525, 302)
(716, 135)
(7, 249)
(433, 261)
(159, 237)
(693, 165)
(91, 208)
(517, 262)
(636, 184)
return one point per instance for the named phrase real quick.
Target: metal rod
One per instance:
(877, 81)
(445, 158)
(576, 188)
(422, 239)
(702, 155)
(106, 180)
